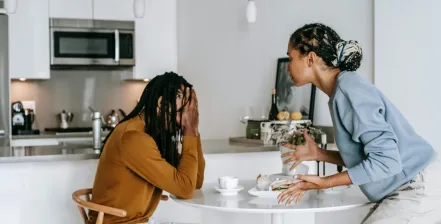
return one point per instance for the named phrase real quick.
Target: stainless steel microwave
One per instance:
(92, 42)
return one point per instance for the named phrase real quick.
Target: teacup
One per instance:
(228, 182)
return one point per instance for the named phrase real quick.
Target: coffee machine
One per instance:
(18, 117)
(22, 120)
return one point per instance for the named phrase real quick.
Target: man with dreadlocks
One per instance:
(140, 158)
(393, 166)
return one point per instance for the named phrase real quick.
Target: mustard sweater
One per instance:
(131, 173)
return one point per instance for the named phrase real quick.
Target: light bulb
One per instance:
(139, 8)
(11, 6)
(251, 11)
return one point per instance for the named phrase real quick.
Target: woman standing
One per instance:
(384, 155)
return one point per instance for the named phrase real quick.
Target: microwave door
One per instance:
(84, 47)
(126, 48)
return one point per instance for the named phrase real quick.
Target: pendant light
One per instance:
(11, 6)
(139, 8)
(251, 11)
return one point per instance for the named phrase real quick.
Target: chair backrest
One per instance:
(101, 209)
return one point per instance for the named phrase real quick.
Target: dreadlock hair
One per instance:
(327, 44)
(162, 126)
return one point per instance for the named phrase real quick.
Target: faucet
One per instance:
(96, 127)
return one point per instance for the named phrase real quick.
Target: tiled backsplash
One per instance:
(75, 91)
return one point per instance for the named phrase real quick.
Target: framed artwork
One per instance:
(292, 98)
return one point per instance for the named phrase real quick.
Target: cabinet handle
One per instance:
(117, 45)
(2, 133)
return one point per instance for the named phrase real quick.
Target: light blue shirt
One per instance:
(379, 147)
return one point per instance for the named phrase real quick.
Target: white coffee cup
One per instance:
(228, 182)
(299, 169)
(266, 130)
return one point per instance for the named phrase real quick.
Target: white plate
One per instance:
(229, 192)
(264, 194)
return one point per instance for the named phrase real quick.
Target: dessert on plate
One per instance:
(270, 186)
(274, 182)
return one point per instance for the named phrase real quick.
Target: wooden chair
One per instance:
(101, 209)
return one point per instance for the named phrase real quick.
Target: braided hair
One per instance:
(327, 44)
(162, 126)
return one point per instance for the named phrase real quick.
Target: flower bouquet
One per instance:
(283, 134)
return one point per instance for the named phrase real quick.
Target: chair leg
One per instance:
(83, 214)
(100, 218)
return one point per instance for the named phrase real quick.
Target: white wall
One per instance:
(407, 48)
(233, 64)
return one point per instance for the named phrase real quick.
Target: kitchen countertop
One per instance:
(81, 151)
(76, 151)
(47, 135)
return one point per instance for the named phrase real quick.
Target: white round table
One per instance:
(243, 202)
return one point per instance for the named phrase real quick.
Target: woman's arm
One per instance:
(330, 156)
(364, 118)
(141, 155)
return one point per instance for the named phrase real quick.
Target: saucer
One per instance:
(229, 192)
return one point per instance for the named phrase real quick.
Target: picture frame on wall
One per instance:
(293, 98)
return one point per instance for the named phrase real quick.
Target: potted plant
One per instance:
(283, 134)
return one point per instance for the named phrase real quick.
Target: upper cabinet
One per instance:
(113, 9)
(92, 9)
(155, 34)
(156, 40)
(29, 40)
(74, 9)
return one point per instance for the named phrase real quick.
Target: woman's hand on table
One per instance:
(297, 190)
(309, 151)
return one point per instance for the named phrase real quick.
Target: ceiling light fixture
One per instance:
(251, 11)
(139, 8)
(11, 6)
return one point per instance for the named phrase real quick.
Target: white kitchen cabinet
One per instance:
(29, 40)
(113, 10)
(156, 40)
(74, 9)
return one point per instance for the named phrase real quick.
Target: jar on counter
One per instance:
(253, 129)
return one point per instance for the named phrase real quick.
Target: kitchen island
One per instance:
(37, 182)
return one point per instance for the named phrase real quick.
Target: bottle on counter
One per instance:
(274, 111)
